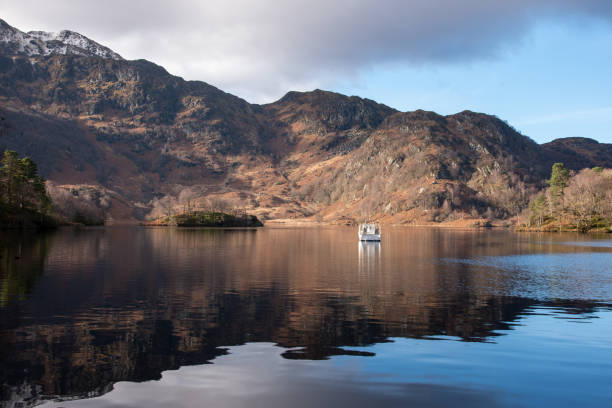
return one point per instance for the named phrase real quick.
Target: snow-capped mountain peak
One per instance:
(35, 43)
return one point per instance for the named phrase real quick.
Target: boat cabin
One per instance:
(369, 232)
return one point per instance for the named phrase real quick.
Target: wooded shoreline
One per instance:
(574, 201)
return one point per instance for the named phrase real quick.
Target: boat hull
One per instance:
(369, 237)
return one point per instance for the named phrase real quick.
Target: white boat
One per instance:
(369, 232)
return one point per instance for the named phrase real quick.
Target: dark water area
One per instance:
(300, 317)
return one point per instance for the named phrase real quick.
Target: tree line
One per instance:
(21, 187)
(580, 201)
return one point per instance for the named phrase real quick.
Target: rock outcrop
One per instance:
(89, 117)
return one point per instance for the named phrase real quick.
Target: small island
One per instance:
(208, 219)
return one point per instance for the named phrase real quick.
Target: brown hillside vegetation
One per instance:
(579, 202)
(580, 152)
(149, 143)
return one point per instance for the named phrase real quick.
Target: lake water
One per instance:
(303, 317)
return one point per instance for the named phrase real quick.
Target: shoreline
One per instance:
(458, 224)
(311, 223)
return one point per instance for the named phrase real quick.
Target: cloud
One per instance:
(260, 49)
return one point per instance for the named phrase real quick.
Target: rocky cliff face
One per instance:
(153, 143)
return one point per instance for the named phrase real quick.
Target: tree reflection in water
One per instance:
(84, 309)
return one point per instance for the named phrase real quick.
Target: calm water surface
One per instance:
(281, 317)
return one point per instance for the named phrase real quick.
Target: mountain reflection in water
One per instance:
(81, 310)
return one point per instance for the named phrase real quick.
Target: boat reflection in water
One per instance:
(369, 257)
(86, 311)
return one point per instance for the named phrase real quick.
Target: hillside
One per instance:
(580, 152)
(147, 142)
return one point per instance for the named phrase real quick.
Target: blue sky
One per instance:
(556, 83)
(541, 65)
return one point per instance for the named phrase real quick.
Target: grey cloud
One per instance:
(260, 49)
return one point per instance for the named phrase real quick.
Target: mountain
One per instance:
(579, 152)
(36, 43)
(138, 142)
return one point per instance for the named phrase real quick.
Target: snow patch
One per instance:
(34, 43)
